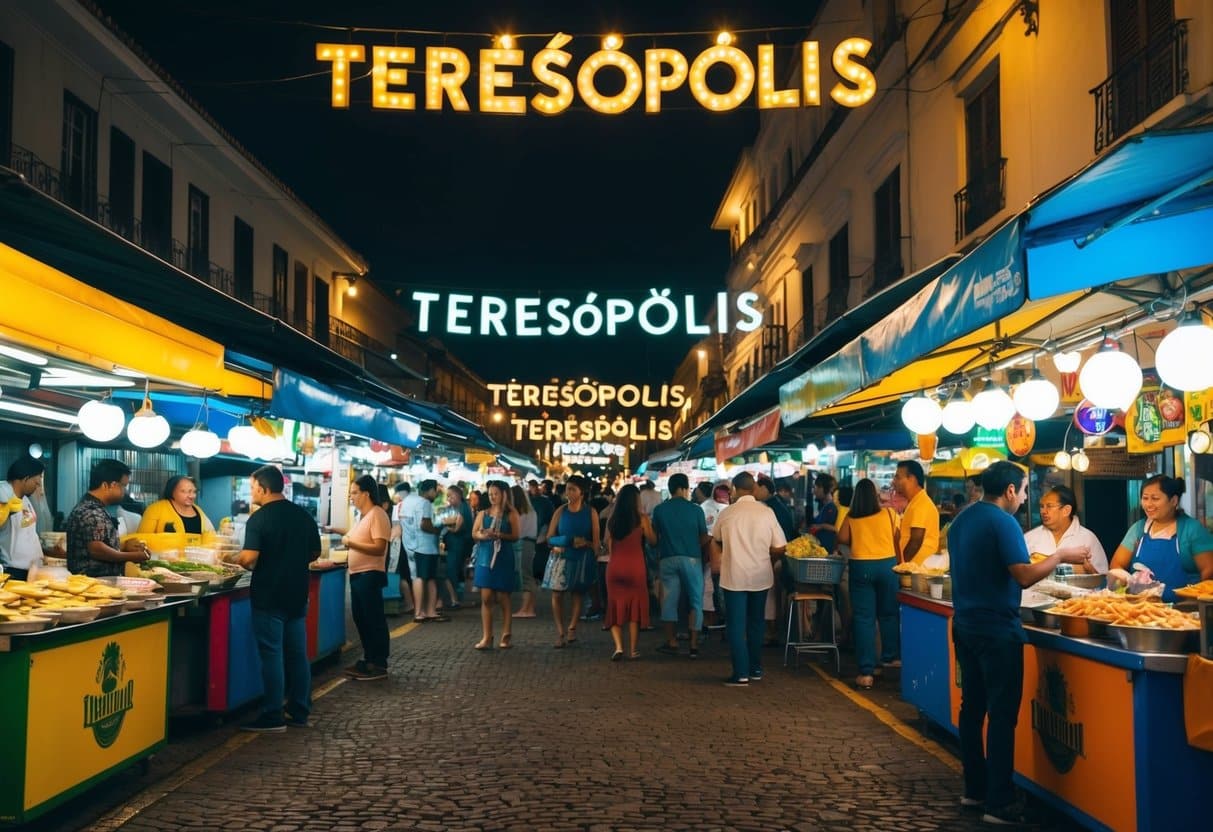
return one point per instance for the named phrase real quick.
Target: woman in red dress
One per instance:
(627, 586)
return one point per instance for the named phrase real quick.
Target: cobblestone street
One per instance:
(538, 738)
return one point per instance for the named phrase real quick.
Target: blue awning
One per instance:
(1146, 207)
(307, 400)
(185, 409)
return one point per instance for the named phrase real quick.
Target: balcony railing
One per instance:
(983, 197)
(774, 345)
(353, 343)
(37, 173)
(1147, 81)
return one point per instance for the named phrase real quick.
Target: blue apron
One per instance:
(1161, 556)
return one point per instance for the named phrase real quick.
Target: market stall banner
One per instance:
(1157, 419)
(301, 398)
(754, 435)
(448, 68)
(92, 706)
(820, 387)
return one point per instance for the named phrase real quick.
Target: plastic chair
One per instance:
(795, 607)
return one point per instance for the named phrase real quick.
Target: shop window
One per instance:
(242, 260)
(157, 206)
(888, 266)
(280, 264)
(78, 161)
(7, 77)
(198, 243)
(120, 214)
(840, 274)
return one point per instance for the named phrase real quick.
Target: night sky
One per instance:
(487, 204)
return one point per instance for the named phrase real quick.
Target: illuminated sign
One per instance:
(603, 431)
(658, 314)
(446, 70)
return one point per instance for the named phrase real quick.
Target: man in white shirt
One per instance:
(420, 538)
(1059, 529)
(751, 538)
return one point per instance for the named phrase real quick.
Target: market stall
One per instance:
(84, 702)
(1101, 732)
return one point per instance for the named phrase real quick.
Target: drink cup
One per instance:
(937, 590)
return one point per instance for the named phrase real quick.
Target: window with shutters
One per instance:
(840, 274)
(984, 193)
(281, 263)
(300, 309)
(887, 203)
(78, 160)
(157, 221)
(7, 78)
(198, 243)
(242, 265)
(1148, 60)
(120, 214)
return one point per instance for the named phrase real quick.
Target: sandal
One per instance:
(865, 682)
(617, 655)
(505, 641)
(483, 645)
(635, 654)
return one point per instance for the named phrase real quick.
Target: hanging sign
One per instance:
(447, 70)
(590, 396)
(1156, 419)
(986, 438)
(1092, 420)
(658, 314)
(1198, 407)
(1021, 435)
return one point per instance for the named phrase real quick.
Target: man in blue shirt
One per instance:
(682, 532)
(990, 566)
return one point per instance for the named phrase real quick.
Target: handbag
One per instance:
(554, 573)
(582, 570)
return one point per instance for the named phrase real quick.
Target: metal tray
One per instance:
(1154, 639)
(12, 628)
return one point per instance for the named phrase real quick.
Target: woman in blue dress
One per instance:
(574, 537)
(495, 531)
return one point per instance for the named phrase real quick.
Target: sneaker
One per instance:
(756, 676)
(372, 673)
(267, 723)
(356, 669)
(1010, 815)
(743, 682)
(293, 721)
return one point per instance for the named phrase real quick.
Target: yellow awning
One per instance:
(47, 310)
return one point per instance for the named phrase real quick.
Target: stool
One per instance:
(798, 647)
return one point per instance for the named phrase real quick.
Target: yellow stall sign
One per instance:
(92, 706)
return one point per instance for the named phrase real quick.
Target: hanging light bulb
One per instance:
(243, 440)
(1200, 440)
(147, 429)
(957, 416)
(199, 441)
(1036, 398)
(1080, 462)
(1110, 379)
(1176, 357)
(1062, 460)
(921, 414)
(100, 421)
(992, 407)
(1067, 362)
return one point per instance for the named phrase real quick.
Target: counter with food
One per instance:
(1094, 712)
(85, 696)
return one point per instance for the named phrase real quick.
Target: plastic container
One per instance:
(808, 570)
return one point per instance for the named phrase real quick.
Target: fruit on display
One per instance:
(23, 598)
(806, 546)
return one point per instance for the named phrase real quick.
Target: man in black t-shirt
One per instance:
(280, 540)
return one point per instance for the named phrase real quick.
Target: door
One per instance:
(320, 331)
(78, 161)
(1106, 510)
(983, 155)
(198, 246)
(280, 264)
(299, 308)
(120, 216)
(157, 207)
(1141, 59)
(242, 260)
(6, 104)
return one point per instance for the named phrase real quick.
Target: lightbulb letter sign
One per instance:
(446, 71)
(590, 396)
(658, 314)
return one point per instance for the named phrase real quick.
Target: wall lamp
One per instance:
(351, 278)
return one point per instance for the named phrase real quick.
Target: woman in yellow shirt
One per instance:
(177, 511)
(870, 531)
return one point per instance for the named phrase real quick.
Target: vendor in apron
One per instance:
(1172, 545)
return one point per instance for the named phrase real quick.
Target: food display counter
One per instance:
(83, 702)
(216, 667)
(1101, 730)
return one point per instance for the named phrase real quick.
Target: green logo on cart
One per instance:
(105, 713)
(1061, 738)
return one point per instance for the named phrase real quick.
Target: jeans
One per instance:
(366, 602)
(874, 600)
(679, 575)
(991, 682)
(745, 627)
(285, 670)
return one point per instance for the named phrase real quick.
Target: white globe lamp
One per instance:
(992, 407)
(958, 416)
(921, 415)
(200, 443)
(147, 429)
(243, 440)
(1110, 379)
(1080, 462)
(1067, 362)
(1182, 359)
(1062, 460)
(100, 421)
(1036, 398)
